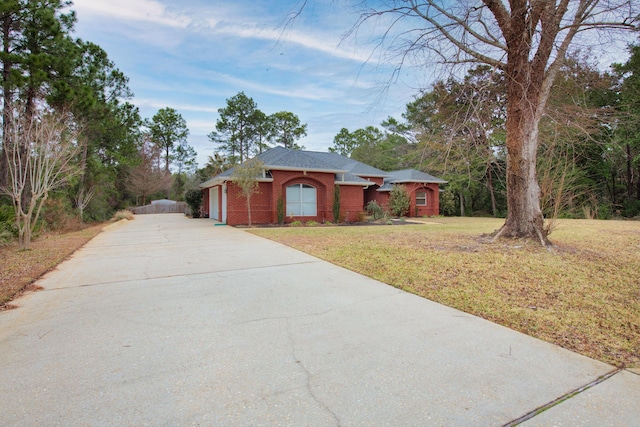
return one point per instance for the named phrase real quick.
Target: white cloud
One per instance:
(155, 103)
(308, 92)
(317, 41)
(137, 10)
(201, 126)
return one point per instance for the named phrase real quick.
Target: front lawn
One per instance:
(584, 295)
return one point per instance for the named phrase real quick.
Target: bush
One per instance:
(7, 214)
(448, 203)
(296, 224)
(631, 208)
(8, 228)
(280, 210)
(6, 236)
(399, 201)
(58, 215)
(123, 214)
(336, 204)
(311, 224)
(193, 197)
(375, 210)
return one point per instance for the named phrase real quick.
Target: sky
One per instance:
(192, 55)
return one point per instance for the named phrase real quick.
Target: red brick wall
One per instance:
(322, 182)
(260, 205)
(352, 199)
(433, 199)
(377, 180)
(351, 202)
(380, 198)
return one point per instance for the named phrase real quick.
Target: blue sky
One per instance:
(192, 55)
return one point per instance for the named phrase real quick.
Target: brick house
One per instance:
(306, 181)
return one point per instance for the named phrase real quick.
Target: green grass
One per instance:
(584, 295)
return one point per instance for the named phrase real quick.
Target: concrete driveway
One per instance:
(166, 321)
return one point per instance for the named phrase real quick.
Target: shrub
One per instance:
(631, 208)
(7, 214)
(375, 210)
(399, 201)
(8, 228)
(448, 203)
(193, 197)
(295, 224)
(336, 204)
(6, 236)
(311, 224)
(280, 210)
(122, 214)
(58, 215)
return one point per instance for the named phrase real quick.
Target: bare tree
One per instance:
(40, 154)
(83, 198)
(148, 177)
(526, 39)
(247, 176)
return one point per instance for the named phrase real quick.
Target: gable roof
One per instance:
(405, 176)
(281, 158)
(349, 165)
(348, 171)
(413, 175)
(351, 179)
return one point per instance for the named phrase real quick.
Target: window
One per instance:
(421, 198)
(301, 200)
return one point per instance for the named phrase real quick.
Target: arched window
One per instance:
(302, 200)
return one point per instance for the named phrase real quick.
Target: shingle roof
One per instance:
(352, 166)
(406, 176)
(412, 175)
(386, 186)
(353, 170)
(352, 179)
(280, 157)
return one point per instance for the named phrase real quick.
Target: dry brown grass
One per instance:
(21, 268)
(584, 295)
(123, 214)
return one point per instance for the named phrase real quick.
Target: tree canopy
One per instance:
(243, 130)
(527, 40)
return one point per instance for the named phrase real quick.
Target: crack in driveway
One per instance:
(169, 276)
(308, 376)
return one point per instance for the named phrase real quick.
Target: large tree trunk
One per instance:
(525, 102)
(524, 217)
